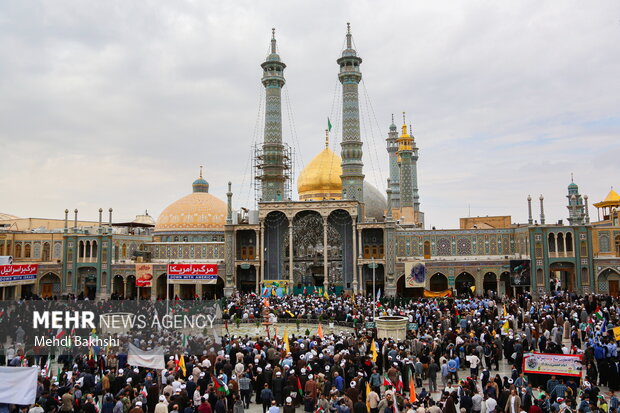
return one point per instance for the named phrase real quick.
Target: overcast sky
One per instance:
(117, 103)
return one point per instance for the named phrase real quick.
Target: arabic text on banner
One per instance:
(559, 364)
(144, 275)
(193, 272)
(18, 272)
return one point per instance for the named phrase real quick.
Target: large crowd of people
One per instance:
(461, 355)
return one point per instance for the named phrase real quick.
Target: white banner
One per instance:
(153, 359)
(18, 385)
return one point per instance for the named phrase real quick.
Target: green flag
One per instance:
(329, 125)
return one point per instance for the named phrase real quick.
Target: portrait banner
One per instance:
(415, 274)
(144, 275)
(553, 364)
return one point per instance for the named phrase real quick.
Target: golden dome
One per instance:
(320, 179)
(198, 211)
(612, 196)
(612, 199)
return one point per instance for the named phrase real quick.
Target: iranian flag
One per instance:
(400, 385)
(60, 333)
(598, 313)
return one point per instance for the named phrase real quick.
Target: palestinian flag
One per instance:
(301, 391)
(400, 385)
(220, 385)
(598, 313)
(387, 382)
(457, 314)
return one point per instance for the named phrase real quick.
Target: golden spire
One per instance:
(326, 138)
(404, 128)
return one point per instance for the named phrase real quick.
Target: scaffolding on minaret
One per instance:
(288, 175)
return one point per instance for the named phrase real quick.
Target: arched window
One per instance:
(569, 242)
(124, 251)
(560, 241)
(81, 249)
(540, 277)
(27, 251)
(18, 250)
(87, 249)
(583, 249)
(552, 246)
(46, 252)
(94, 253)
(617, 242)
(427, 249)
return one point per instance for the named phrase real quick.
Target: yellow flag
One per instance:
(373, 349)
(287, 346)
(505, 313)
(473, 288)
(326, 295)
(182, 364)
(367, 393)
(506, 327)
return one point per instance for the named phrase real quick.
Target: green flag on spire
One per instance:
(329, 125)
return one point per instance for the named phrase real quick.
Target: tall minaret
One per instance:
(414, 172)
(273, 163)
(392, 149)
(405, 155)
(576, 208)
(350, 76)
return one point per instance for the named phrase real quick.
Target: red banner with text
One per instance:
(18, 272)
(193, 272)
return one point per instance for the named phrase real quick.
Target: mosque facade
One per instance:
(341, 235)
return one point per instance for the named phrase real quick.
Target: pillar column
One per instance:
(125, 288)
(325, 252)
(359, 252)
(290, 253)
(355, 271)
(261, 273)
(176, 292)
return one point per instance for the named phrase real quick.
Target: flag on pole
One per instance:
(326, 295)
(506, 327)
(60, 333)
(412, 396)
(301, 391)
(598, 313)
(367, 393)
(319, 331)
(387, 382)
(373, 350)
(182, 364)
(400, 386)
(220, 385)
(287, 346)
(329, 125)
(505, 312)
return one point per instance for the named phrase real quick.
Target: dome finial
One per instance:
(349, 46)
(273, 40)
(392, 118)
(326, 138)
(200, 171)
